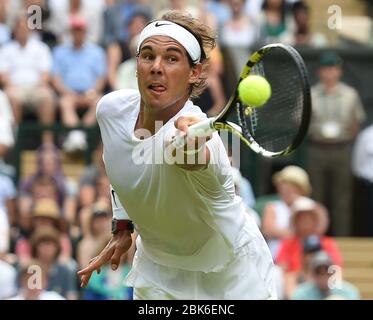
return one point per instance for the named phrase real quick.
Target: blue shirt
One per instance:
(309, 291)
(79, 69)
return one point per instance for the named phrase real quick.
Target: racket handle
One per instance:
(200, 129)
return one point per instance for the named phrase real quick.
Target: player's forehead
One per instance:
(162, 43)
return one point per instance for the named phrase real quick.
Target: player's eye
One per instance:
(172, 59)
(147, 56)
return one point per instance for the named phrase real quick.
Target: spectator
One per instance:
(24, 66)
(5, 31)
(274, 21)
(319, 287)
(8, 280)
(238, 35)
(362, 168)
(102, 195)
(126, 73)
(336, 117)
(89, 178)
(48, 181)
(45, 212)
(6, 126)
(305, 222)
(291, 183)
(45, 246)
(63, 12)
(79, 74)
(302, 36)
(119, 52)
(117, 16)
(8, 194)
(99, 225)
(37, 292)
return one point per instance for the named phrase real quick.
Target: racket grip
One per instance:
(200, 129)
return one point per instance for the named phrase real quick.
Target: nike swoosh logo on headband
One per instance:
(157, 24)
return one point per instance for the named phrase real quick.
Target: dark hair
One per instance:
(300, 5)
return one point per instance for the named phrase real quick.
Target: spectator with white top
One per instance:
(6, 126)
(24, 67)
(38, 291)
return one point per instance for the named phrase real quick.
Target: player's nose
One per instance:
(157, 65)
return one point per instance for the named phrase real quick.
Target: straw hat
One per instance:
(296, 176)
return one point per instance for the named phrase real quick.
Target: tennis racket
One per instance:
(280, 125)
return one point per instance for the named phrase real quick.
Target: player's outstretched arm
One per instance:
(117, 246)
(195, 155)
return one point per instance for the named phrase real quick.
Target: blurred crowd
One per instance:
(56, 72)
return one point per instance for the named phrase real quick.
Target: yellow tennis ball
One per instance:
(254, 90)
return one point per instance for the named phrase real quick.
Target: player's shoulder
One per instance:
(116, 102)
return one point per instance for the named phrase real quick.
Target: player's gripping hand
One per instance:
(117, 246)
(195, 155)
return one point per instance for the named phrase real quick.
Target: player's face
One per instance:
(164, 74)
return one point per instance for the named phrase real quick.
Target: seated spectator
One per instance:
(39, 290)
(98, 224)
(5, 31)
(45, 246)
(119, 52)
(291, 183)
(63, 11)
(238, 35)
(126, 73)
(6, 126)
(45, 213)
(305, 222)
(24, 66)
(117, 15)
(274, 21)
(90, 176)
(8, 280)
(8, 216)
(79, 75)
(102, 195)
(302, 36)
(320, 287)
(48, 181)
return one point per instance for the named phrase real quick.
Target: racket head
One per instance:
(280, 125)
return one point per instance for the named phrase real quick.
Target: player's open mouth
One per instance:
(158, 88)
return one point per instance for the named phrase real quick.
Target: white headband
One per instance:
(174, 31)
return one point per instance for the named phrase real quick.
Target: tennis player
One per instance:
(195, 240)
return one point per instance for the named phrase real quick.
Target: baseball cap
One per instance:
(311, 244)
(296, 176)
(330, 58)
(320, 259)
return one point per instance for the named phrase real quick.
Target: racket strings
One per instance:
(275, 125)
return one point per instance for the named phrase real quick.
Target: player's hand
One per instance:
(182, 124)
(194, 156)
(117, 246)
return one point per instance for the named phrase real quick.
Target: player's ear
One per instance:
(195, 73)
